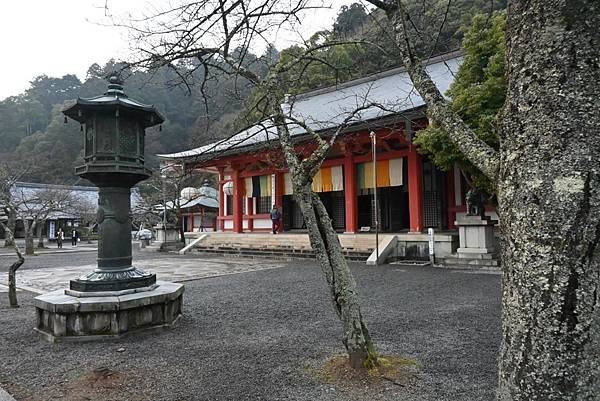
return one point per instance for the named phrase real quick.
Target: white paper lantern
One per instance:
(228, 188)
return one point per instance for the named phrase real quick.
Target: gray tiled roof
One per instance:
(327, 108)
(201, 200)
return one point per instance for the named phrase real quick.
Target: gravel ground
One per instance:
(261, 335)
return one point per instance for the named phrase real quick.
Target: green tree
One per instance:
(52, 153)
(350, 19)
(478, 94)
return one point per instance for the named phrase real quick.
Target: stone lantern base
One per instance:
(66, 315)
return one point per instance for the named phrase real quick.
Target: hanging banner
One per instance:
(257, 186)
(327, 179)
(288, 188)
(389, 173)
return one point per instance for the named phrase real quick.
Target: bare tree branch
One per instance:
(477, 151)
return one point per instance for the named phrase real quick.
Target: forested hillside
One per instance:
(33, 134)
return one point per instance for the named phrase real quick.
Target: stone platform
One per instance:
(79, 316)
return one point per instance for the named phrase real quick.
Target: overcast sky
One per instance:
(58, 37)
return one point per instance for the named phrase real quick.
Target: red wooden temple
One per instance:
(412, 193)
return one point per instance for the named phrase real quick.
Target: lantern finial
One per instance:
(115, 84)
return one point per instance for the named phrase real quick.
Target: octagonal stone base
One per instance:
(63, 317)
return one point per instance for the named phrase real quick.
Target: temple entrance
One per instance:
(393, 209)
(333, 202)
(435, 199)
(292, 216)
(336, 208)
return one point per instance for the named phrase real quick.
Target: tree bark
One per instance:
(9, 241)
(548, 177)
(549, 198)
(29, 227)
(39, 234)
(343, 289)
(12, 281)
(328, 251)
(12, 270)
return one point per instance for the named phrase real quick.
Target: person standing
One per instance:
(74, 238)
(60, 235)
(275, 218)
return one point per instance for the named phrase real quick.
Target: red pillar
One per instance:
(279, 197)
(415, 190)
(451, 198)
(350, 194)
(220, 222)
(238, 217)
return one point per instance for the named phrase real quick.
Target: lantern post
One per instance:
(118, 296)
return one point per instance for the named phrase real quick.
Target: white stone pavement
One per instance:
(4, 396)
(167, 269)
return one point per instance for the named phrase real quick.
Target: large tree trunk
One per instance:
(344, 293)
(549, 196)
(9, 241)
(29, 227)
(548, 177)
(39, 234)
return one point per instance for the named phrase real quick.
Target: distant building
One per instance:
(199, 208)
(84, 204)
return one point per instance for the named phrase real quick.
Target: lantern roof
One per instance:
(114, 98)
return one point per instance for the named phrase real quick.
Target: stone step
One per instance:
(275, 245)
(454, 261)
(273, 253)
(276, 249)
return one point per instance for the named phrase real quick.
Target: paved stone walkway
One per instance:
(4, 396)
(176, 269)
(4, 288)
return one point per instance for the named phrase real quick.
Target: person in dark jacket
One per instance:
(60, 236)
(275, 218)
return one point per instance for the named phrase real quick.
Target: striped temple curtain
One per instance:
(327, 179)
(257, 186)
(389, 173)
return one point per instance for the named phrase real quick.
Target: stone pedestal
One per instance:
(68, 315)
(476, 237)
(171, 233)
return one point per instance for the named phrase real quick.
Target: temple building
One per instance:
(412, 193)
(198, 208)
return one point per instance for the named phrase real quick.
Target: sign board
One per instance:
(431, 234)
(52, 230)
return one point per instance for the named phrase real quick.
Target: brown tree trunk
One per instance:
(344, 293)
(548, 176)
(12, 281)
(29, 227)
(9, 241)
(39, 234)
(328, 251)
(12, 270)
(549, 197)
(180, 227)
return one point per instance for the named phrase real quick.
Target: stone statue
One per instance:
(475, 203)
